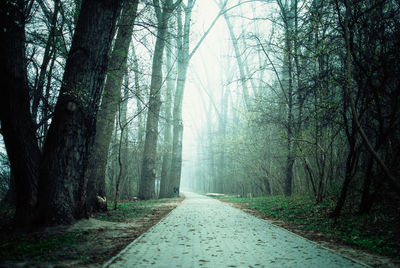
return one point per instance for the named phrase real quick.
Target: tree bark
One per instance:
(288, 21)
(62, 183)
(16, 122)
(96, 174)
(166, 164)
(183, 62)
(289, 124)
(148, 171)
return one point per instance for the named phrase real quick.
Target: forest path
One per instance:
(204, 232)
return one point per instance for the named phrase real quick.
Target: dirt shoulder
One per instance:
(93, 241)
(325, 240)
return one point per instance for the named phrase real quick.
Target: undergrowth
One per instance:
(377, 232)
(129, 209)
(37, 247)
(42, 247)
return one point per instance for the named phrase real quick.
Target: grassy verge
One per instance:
(377, 232)
(130, 209)
(36, 247)
(54, 247)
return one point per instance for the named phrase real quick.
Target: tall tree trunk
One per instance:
(139, 93)
(288, 20)
(96, 173)
(352, 158)
(176, 163)
(139, 96)
(148, 172)
(166, 164)
(183, 62)
(17, 126)
(47, 108)
(62, 183)
(289, 129)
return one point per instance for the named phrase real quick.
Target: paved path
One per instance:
(204, 232)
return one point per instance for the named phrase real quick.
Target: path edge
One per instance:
(131, 244)
(313, 242)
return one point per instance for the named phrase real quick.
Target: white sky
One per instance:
(206, 61)
(205, 65)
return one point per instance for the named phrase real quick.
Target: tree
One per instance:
(57, 178)
(111, 96)
(184, 56)
(123, 143)
(371, 97)
(240, 64)
(17, 126)
(38, 93)
(62, 182)
(167, 153)
(148, 172)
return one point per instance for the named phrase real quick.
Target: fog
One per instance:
(212, 68)
(250, 98)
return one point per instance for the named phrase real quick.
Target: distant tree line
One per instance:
(318, 109)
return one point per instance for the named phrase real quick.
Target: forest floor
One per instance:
(87, 243)
(92, 242)
(275, 215)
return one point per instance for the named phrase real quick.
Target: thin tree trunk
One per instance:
(47, 109)
(139, 100)
(290, 157)
(122, 146)
(222, 131)
(121, 167)
(240, 63)
(38, 92)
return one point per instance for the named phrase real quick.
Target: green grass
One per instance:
(378, 232)
(42, 246)
(131, 209)
(35, 246)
